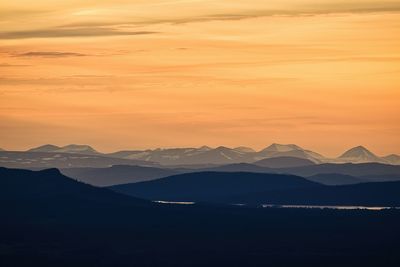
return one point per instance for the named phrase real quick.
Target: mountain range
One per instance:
(223, 155)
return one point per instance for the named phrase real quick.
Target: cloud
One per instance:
(295, 11)
(7, 65)
(50, 54)
(69, 32)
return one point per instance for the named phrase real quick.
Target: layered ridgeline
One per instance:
(280, 156)
(258, 188)
(211, 186)
(328, 173)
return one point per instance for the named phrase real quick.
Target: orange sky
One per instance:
(146, 74)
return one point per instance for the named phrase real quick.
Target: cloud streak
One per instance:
(69, 32)
(50, 54)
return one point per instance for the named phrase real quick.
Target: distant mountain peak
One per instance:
(357, 151)
(74, 148)
(204, 148)
(360, 154)
(44, 148)
(282, 147)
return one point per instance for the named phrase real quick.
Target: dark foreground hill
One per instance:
(48, 220)
(25, 188)
(262, 188)
(386, 194)
(211, 186)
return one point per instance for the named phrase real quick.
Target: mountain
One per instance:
(351, 169)
(283, 162)
(291, 150)
(44, 148)
(336, 179)
(392, 159)
(117, 174)
(236, 167)
(244, 149)
(382, 194)
(2, 149)
(75, 149)
(281, 148)
(381, 177)
(209, 186)
(360, 154)
(30, 160)
(20, 187)
(78, 149)
(188, 156)
(220, 155)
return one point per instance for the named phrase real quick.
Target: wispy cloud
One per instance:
(69, 32)
(50, 54)
(7, 65)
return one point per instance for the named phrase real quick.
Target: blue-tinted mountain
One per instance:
(209, 186)
(283, 162)
(336, 179)
(117, 174)
(346, 168)
(237, 167)
(386, 194)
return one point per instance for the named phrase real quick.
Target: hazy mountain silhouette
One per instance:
(117, 174)
(29, 160)
(187, 156)
(237, 167)
(360, 154)
(75, 149)
(223, 155)
(291, 150)
(365, 194)
(381, 177)
(44, 148)
(336, 179)
(392, 159)
(351, 169)
(283, 162)
(207, 186)
(219, 155)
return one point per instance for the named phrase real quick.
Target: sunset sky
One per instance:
(163, 73)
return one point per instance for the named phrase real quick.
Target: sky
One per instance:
(185, 73)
